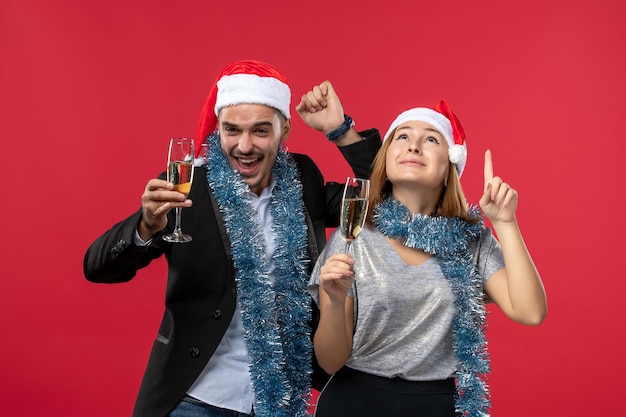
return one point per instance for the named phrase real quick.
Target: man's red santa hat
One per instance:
(243, 82)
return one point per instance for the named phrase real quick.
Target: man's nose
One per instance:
(245, 143)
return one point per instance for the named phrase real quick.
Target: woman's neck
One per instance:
(418, 200)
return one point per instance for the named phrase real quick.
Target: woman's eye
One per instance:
(402, 136)
(432, 139)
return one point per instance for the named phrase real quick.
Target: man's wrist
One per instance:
(145, 232)
(343, 128)
(138, 241)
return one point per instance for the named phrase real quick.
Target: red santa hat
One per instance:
(445, 122)
(243, 82)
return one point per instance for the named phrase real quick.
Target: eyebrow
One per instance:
(430, 129)
(257, 124)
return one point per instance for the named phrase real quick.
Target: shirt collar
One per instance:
(267, 191)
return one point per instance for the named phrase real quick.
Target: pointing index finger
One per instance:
(488, 168)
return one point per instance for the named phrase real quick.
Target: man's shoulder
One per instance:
(303, 161)
(309, 172)
(299, 157)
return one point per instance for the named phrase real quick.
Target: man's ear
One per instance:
(286, 130)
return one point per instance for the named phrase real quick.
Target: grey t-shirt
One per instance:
(403, 313)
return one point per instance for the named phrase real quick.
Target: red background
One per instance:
(90, 92)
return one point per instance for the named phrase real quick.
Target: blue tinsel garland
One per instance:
(275, 317)
(448, 239)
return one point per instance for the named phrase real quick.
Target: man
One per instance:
(235, 337)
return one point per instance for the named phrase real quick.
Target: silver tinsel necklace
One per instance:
(275, 316)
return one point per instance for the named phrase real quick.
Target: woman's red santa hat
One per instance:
(243, 82)
(445, 122)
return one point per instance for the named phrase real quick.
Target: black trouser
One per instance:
(355, 393)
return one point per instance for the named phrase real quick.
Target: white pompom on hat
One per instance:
(243, 82)
(445, 122)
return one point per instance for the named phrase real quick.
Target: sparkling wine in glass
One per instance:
(180, 164)
(354, 208)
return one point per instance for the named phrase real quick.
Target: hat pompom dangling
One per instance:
(457, 152)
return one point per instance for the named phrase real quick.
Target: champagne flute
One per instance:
(180, 173)
(354, 208)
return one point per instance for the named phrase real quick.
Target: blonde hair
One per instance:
(452, 202)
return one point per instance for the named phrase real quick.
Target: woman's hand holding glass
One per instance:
(354, 205)
(337, 274)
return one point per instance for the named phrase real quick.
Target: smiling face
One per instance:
(250, 136)
(417, 156)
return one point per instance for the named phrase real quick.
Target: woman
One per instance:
(401, 325)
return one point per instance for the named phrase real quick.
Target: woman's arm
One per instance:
(333, 337)
(517, 288)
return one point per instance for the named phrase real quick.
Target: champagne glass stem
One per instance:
(347, 251)
(177, 229)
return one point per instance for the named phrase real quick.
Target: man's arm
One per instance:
(116, 256)
(322, 110)
(113, 257)
(360, 154)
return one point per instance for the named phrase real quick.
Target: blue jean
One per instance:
(190, 407)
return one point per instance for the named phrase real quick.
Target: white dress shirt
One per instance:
(225, 381)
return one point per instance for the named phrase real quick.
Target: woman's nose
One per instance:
(413, 147)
